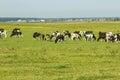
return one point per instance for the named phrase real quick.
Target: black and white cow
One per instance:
(89, 36)
(82, 33)
(76, 35)
(16, 32)
(67, 34)
(107, 36)
(3, 32)
(55, 34)
(59, 38)
(115, 37)
(38, 35)
(118, 36)
(47, 37)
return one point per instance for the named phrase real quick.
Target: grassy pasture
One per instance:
(29, 59)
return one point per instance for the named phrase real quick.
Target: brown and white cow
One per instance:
(107, 36)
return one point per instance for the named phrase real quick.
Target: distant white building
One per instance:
(21, 20)
(42, 20)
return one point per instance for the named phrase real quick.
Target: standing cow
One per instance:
(107, 36)
(115, 37)
(59, 38)
(16, 32)
(89, 36)
(3, 32)
(118, 36)
(55, 34)
(38, 35)
(76, 35)
(67, 34)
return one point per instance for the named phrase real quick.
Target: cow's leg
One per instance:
(0, 36)
(86, 39)
(94, 37)
(106, 40)
(51, 37)
(79, 38)
(56, 40)
(5, 35)
(11, 35)
(99, 39)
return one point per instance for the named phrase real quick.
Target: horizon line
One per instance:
(59, 17)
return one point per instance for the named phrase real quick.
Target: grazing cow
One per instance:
(55, 34)
(107, 36)
(89, 36)
(47, 37)
(16, 32)
(76, 35)
(67, 34)
(118, 36)
(78, 32)
(102, 35)
(115, 37)
(38, 35)
(82, 33)
(59, 38)
(3, 32)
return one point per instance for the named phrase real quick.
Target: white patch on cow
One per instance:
(58, 34)
(3, 33)
(74, 36)
(88, 37)
(82, 33)
(108, 36)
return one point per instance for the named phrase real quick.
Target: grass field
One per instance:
(29, 59)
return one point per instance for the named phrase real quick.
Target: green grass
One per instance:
(29, 59)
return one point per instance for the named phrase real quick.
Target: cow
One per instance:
(118, 36)
(115, 37)
(3, 32)
(55, 34)
(89, 36)
(107, 36)
(38, 35)
(82, 33)
(16, 32)
(76, 35)
(67, 34)
(59, 38)
(47, 37)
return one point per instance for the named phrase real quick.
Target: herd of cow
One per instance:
(15, 32)
(88, 35)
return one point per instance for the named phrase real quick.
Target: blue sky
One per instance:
(59, 8)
